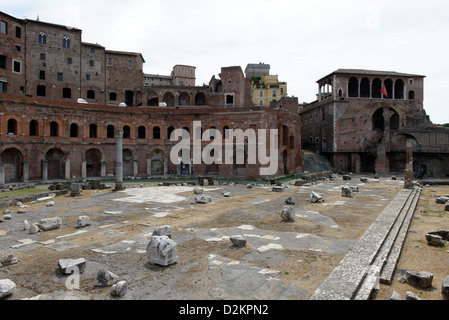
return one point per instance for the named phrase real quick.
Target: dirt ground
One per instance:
(211, 268)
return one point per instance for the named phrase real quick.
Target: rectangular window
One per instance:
(92, 50)
(3, 27)
(18, 48)
(87, 77)
(42, 75)
(42, 56)
(18, 32)
(261, 103)
(60, 76)
(3, 86)
(410, 81)
(69, 61)
(91, 63)
(261, 94)
(17, 66)
(274, 93)
(3, 60)
(110, 61)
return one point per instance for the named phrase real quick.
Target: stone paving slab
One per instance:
(345, 279)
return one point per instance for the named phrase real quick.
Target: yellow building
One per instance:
(267, 89)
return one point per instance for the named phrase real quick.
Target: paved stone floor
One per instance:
(280, 261)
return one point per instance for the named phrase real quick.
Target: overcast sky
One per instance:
(301, 40)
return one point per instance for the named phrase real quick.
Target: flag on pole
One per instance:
(384, 91)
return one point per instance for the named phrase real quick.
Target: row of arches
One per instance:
(387, 89)
(171, 99)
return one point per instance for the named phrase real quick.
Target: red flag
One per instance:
(384, 91)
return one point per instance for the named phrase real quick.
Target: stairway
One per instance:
(315, 162)
(374, 257)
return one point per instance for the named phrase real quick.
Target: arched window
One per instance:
(12, 126)
(92, 130)
(156, 132)
(365, 88)
(411, 95)
(141, 132)
(42, 38)
(34, 127)
(353, 87)
(110, 131)
(66, 42)
(54, 129)
(90, 94)
(169, 132)
(126, 132)
(376, 87)
(73, 130)
(399, 89)
(389, 86)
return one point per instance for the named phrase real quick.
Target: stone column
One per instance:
(44, 170)
(84, 169)
(2, 174)
(165, 167)
(119, 161)
(103, 169)
(26, 171)
(136, 168)
(67, 169)
(149, 167)
(408, 172)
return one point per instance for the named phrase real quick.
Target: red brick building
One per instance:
(362, 119)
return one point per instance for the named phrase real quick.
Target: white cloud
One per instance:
(301, 40)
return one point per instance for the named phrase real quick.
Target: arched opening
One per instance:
(394, 120)
(128, 163)
(12, 165)
(378, 120)
(212, 169)
(169, 132)
(169, 99)
(353, 87)
(240, 161)
(141, 132)
(184, 99)
(152, 99)
(411, 95)
(12, 126)
(376, 87)
(284, 135)
(113, 96)
(55, 163)
(200, 99)
(157, 163)
(34, 128)
(365, 91)
(129, 98)
(399, 89)
(41, 91)
(284, 162)
(126, 132)
(110, 131)
(389, 87)
(54, 129)
(67, 93)
(156, 132)
(92, 130)
(73, 130)
(93, 163)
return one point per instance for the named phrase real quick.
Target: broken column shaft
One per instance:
(119, 161)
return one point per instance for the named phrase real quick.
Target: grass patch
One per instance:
(20, 192)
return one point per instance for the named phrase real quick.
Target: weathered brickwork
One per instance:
(42, 139)
(361, 129)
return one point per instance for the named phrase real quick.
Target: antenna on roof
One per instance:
(37, 17)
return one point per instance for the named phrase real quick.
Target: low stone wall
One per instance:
(11, 201)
